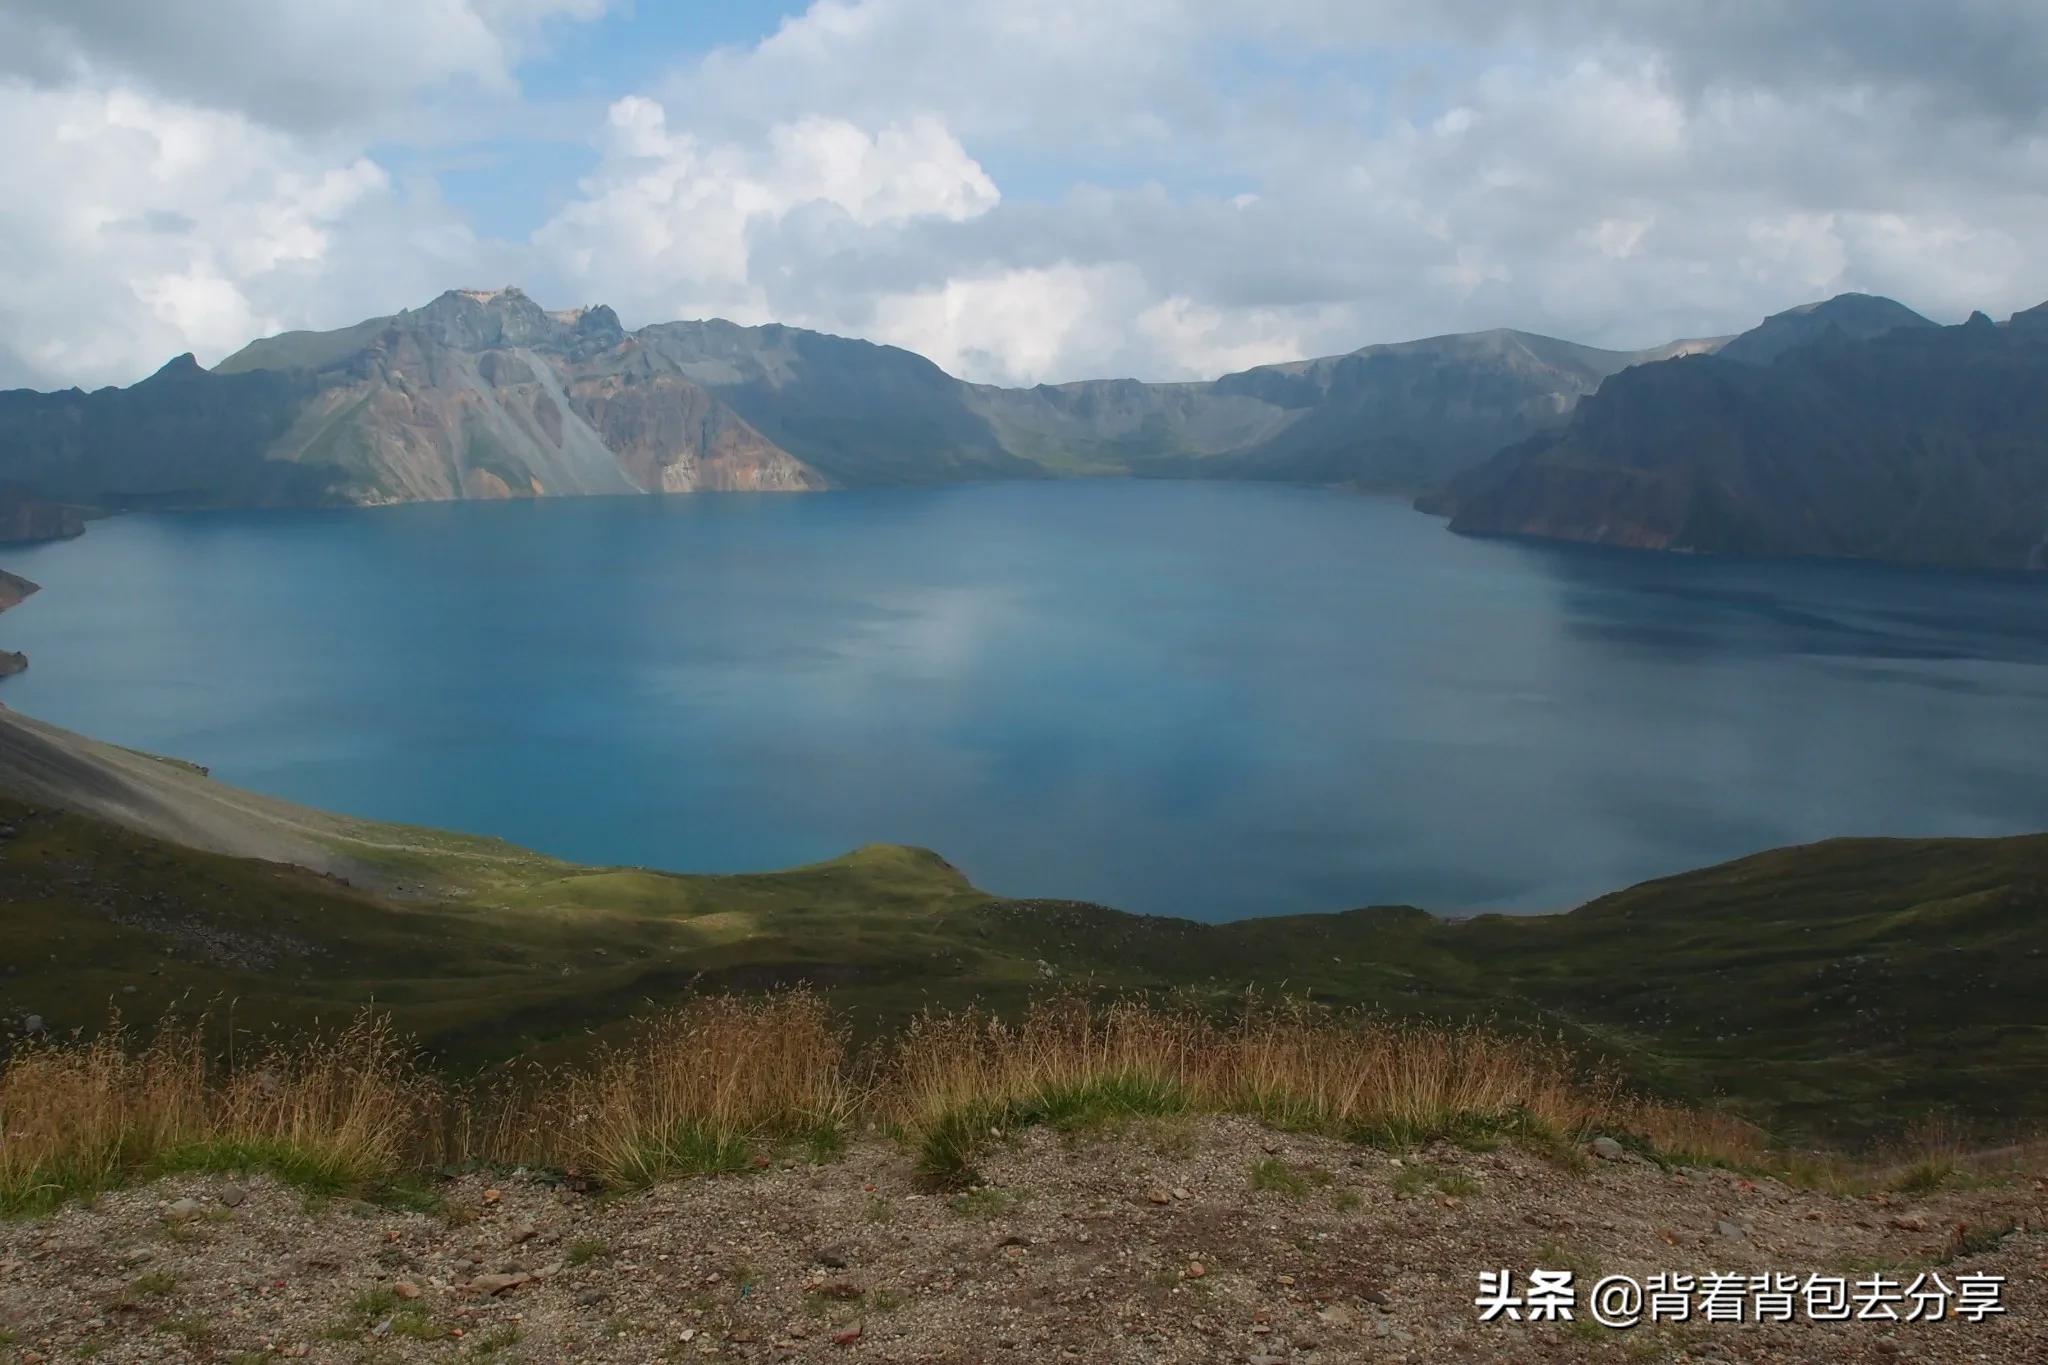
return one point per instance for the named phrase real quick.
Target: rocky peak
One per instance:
(1856, 316)
(485, 319)
(178, 367)
(479, 319)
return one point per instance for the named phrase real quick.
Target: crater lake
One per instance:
(1203, 699)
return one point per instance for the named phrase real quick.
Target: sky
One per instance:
(1024, 190)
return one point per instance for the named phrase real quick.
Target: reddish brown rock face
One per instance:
(13, 588)
(480, 394)
(671, 436)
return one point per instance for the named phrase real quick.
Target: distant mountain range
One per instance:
(487, 394)
(1849, 427)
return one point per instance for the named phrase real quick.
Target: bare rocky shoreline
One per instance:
(14, 589)
(1202, 1240)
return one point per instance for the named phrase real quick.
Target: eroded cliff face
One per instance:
(670, 436)
(485, 395)
(480, 394)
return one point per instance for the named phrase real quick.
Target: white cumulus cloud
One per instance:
(1160, 188)
(668, 223)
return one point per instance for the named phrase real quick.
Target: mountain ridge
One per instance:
(1799, 436)
(485, 393)
(1853, 429)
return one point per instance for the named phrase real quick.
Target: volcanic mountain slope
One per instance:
(487, 394)
(1406, 415)
(478, 394)
(1914, 444)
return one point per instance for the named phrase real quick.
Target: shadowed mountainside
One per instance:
(1910, 443)
(1844, 987)
(26, 518)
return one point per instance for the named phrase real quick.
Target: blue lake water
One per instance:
(1214, 700)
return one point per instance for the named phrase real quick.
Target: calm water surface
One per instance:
(1213, 700)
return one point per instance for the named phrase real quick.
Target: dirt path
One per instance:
(1152, 1246)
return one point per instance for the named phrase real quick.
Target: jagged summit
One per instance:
(466, 319)
(480, 319)
(177, 367)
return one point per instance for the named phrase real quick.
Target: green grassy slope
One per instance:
(1841, 988)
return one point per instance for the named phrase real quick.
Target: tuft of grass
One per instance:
(1274, 1174)
(982, 1201)
(1108, 1101)
(697, 1086)
(197, 1331)
(1553, 1254)
(1418, 1177)
(1925, 1177)
(685, 1150)
(824, 1143)
(155, 1285)
(953, 1139)
(496, 1340)
(411, 1319)
(585, 1250)
(1679, 1135)
(417, 1322)
(460, 1213)
(374, 1303)
(1969, 1241)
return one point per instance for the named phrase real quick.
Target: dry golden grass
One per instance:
(1690, 1136)
(696, 1085)
(707, 1086)
(330, 1112)
(955, 1079)
(1302, 1067)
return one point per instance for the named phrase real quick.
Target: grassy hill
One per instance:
(1843, 988)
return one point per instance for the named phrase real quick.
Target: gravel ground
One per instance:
(1153, 1245)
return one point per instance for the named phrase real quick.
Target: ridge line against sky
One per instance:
(1165, 189)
